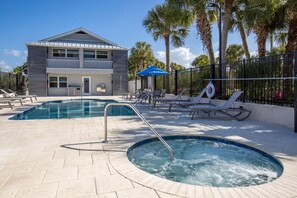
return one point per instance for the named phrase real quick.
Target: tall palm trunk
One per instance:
(261, 31)
(226, 27)
(243, 36)
(204, 30)
(292, 32)
(167, 79)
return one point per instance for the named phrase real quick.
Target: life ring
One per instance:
(210, 90)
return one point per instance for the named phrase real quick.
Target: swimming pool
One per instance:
(205, 161)
(72, 109)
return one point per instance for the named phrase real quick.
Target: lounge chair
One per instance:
(145, 94)
(11, 99)
(227, 108)
(167, 100)
(197, 100)
(14, 95)
(2, 103)
(129, 96)
(28, 96)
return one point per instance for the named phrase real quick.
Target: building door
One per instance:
(86, 89)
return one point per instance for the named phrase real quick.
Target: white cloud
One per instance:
(26, 52)
(12, 52)
(181, 55)
(254, 53)
(216, 54)
(4, 66)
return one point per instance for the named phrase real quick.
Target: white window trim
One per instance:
(59, 56)
(102, 51)
(108, 55)
(58, 82)
(66, 55)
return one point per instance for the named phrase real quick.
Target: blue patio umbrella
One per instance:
(152, 71)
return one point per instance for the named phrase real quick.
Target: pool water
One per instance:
(205, 161)
(72, 109)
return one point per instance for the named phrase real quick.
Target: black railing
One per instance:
(267, 80)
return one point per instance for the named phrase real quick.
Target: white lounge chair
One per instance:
(227, 108)
(167, 100)
(5, 103)
(14, 95)
(11, 99)
(197, 100)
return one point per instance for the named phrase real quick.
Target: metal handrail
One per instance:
(142, 118)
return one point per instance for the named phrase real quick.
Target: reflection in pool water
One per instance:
(72, 109)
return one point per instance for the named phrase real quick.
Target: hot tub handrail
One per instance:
(142, 118)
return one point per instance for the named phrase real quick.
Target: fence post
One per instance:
(212, 72)
(295, 92)
(175, 82)
(9, 80)
(244, 77)
(191, 83)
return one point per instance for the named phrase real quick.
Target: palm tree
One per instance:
(263, 17)
(234, 52)
(291, 15)
(201, 61)
(237, 23)
(141, 56)
(175, 66)
(227, 18)
(203, 24)
(171, 24)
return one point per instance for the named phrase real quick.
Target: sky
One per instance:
(119, 21)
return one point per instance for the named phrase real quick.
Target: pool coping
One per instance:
(127, 169)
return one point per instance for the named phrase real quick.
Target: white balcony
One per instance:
(62, 63)
(97, 64)
(70, 63)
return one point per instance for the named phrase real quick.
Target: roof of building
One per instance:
(57, 41)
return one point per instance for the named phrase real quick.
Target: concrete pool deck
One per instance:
(66, 157)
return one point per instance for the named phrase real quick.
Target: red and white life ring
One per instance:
(210, 90)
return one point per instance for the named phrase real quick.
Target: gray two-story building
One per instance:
(77, 62)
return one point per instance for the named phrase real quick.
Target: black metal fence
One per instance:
(11, 81)
(267, 80)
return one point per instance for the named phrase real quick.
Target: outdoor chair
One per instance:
(5, 103)
(163, 93)
(227, 108)
(167, 100)
(197, 100)
(137, 93)
(145, 94)
(14, 95)
(156, 94)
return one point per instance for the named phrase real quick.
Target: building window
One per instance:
(73, 53)
(102, 54)
(57, 82)
(59, 53)
(62, 81)
(53, 82)
(89, 54)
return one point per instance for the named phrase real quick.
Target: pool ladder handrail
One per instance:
(142, 118)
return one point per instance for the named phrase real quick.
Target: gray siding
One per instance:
(120, 72)
(83, 38)
(37, 70)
